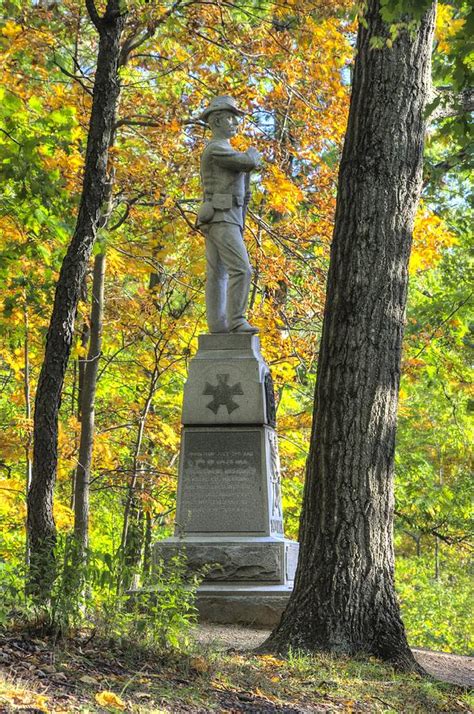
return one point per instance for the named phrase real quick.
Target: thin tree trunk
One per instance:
(27, 394)
(344, 598)
(127, 542)
(82, 359)
(147, 544)
(41, 526)
(80, 367)
(81, 497)
(136, 455)
(437, 570)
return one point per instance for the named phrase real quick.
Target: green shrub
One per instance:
(436, 613)
(157, 616)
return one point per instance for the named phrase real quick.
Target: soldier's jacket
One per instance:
(223, 180)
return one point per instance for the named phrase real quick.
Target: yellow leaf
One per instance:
(446, 26)
(283, 195)
(110, 699)
(11, 29)
(63, 516)
(38, 701)
(175, 126)
(271, 660)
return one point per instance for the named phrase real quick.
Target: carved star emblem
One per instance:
(223, 394)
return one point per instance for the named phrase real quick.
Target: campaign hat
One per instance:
(220, 104)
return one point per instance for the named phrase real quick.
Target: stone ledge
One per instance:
(229, 341)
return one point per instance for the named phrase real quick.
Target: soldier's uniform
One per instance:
(221, 219)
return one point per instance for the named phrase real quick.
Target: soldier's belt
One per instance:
(224, 201)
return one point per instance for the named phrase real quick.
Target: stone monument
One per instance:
(229, 512)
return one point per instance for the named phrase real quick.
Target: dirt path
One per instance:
(455, 669)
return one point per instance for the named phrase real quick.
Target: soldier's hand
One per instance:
(254, 155)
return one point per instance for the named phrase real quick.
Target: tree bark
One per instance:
(41, 527)
(81, 491)
(344, 599)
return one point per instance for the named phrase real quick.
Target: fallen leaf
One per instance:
(110, 699)
(199, 664)
(28, 698)
(270, 659)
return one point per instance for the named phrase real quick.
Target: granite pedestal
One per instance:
(229, 514)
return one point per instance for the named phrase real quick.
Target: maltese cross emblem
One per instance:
(222, 394)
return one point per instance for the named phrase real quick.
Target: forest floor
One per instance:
(220, 674)
(455, 669)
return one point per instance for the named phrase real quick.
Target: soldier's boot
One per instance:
(246, 327)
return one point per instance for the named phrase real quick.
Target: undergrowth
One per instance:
(94, 598)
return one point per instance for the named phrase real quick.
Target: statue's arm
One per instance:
(236, 160)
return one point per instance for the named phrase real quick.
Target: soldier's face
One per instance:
(226, 125)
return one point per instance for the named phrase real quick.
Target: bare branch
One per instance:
(132, 42)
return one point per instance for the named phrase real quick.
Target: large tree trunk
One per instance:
(81, 491)
(344, 599)
(41, 527)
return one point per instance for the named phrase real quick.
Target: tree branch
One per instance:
(191, 225)
(136, 39)
(443, 322)
(94, 15)
(73, 76)
(426, 530)
(128, 205)
(135, 122)
(4, 131)
(450, 104)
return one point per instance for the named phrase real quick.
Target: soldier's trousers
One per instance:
(228, 276)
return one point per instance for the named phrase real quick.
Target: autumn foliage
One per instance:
(288, 64)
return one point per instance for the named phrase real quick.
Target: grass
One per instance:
(101, 676)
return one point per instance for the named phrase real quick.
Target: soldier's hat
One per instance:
(219, 104)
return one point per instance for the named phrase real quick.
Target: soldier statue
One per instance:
(221, 218)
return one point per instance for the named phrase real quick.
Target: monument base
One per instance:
(248, 580)
(230, 603)
(229, 516)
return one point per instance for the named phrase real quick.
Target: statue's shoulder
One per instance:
(219, 147)
(208, 149)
